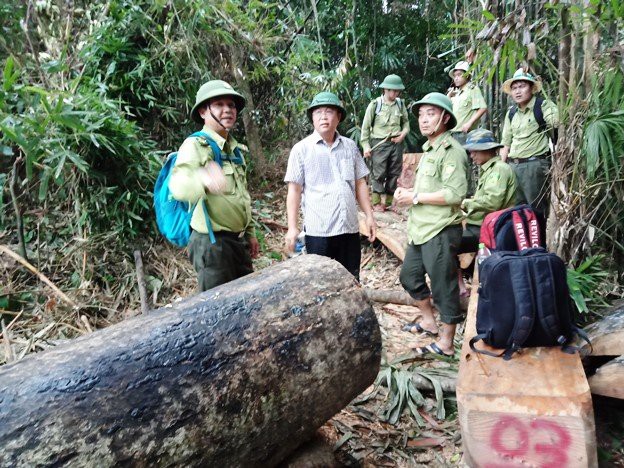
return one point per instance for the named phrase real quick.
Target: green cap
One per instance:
(392, 82)
(213, 89)
(481, 139)
(438, 100)
(326, 99)
(521, 75)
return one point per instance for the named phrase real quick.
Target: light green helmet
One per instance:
(438, 100)
(392, 82)
(521, 75)
(326, 99)
(213, 89)
(481, 139)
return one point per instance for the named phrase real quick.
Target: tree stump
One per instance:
(237, 376)
(534, 410)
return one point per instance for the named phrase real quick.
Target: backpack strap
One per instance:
(478, 337)
(512, 111)
(547, 307)
(533, 225)
(538, 113)
(518, 223)
(208, 222)
(524, 294)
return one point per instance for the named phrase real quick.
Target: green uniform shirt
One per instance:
(523, 137)
(229, 211)
(468, 101)
(496, 190)
(443, 166)
(390, 121)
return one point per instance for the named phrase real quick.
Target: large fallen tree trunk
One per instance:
(237, 376)
(607, 335)
(609, 379)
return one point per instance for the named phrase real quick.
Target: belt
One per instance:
(532, 158)
(233, 235)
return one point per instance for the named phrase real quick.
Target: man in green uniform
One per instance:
(434, 224)
(496, 188)
(468, 103)
(526, 139)
(217, 186)
(385, 126)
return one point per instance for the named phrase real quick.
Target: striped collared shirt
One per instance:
(327, 175)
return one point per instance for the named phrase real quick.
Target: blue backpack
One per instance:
(173, 217)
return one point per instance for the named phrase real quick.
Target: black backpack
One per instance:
(538, 113)
(524, 302)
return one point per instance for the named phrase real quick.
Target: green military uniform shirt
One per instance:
(523, 136)
(468, 101)
(391, 120)
(496, 190)
(229, 211)
(442, 167)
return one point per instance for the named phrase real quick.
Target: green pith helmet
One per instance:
(438, 100)
(326, 99)
(392, 82)
(213, 89)
(521, 75)
(481, 139)
(463, 66)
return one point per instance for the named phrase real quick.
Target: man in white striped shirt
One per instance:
(327, 172)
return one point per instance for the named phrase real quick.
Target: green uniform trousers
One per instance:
(387, 163)
(438, 258)
(533, 180)
(225, 260)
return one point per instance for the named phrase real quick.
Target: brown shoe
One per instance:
(379, 208)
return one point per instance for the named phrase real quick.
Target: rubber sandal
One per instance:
(432, 348)
(410, 327)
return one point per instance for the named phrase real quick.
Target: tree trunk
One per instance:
(607, 335)
(237, 376)
(239, 70)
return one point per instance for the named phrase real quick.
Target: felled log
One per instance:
(236, 376)
(533, 410)
(607, 335)
(391, 231)
(390, 296)
(609, 379)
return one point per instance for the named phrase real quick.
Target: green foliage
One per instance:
(587, 284)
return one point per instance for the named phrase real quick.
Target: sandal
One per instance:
(410, 327)
(432, 348)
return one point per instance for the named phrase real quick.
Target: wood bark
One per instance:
(239, 375)
(607, 335)
(390, 296)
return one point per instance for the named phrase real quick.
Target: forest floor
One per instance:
(392, 423)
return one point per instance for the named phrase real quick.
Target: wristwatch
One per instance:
(415, 199)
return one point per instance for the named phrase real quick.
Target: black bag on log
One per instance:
(524, 302)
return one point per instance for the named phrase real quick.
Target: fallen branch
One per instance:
(390, 296)
(138, 261)
(41, 276)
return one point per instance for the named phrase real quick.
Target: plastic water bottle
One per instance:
(483, 253)
(299, 245)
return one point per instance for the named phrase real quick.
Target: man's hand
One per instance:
(291, 239)
(398, 139)
(465, 128)
(403, 196)
(254, 247)
(503, 153)
(371, 227)
(213, 178)
(368, 153)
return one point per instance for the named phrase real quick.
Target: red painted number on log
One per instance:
(517, 444)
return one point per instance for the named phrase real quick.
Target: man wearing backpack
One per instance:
(385, 126)
(434, 224)
(212, 179)
(526, 136)
(327, 172)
